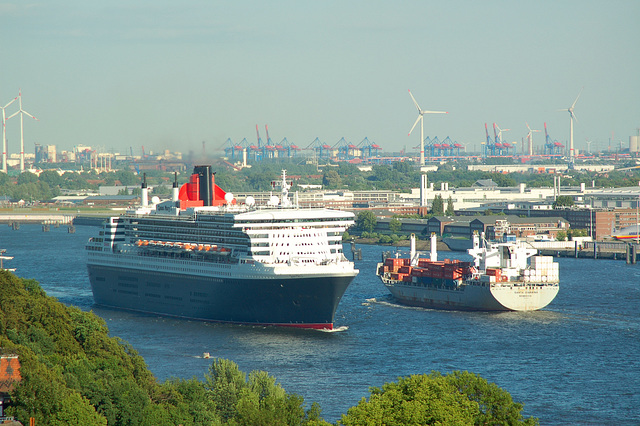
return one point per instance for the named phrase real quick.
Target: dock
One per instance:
(37, 218)
(615, 250)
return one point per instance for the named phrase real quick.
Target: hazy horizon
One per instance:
(121, 75)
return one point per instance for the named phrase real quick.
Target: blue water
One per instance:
(575, 362)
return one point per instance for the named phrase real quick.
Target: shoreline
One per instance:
(421, 245)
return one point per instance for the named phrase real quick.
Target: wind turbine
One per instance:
(420, 118)
(530, 138)
(572, 117)
(22, 113)
(4, 136)
(500, 131)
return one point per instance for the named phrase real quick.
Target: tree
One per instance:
(437, 207)
(126, 177)
(561, 236)
(76, 410)
(394, 226)
(226, 382)
(51, 178)
(503, 180)
(366, 221)
(75, 181)
(331, 179)
(4, 179)
(450, 211)
(563, 201)
(414, 400)
(403, 167)
(457, 398)
(495, 404)
(27, 177)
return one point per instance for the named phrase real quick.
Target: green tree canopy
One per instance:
(331, 180)
(437, 206)
(366, 221)
(563, 201)
(51, 178)
(450, 211)
(394, 226)
(27, 177)
(434, 399)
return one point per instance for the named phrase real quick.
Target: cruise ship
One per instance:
(204, 256)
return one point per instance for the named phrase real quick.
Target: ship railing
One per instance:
(300, 260)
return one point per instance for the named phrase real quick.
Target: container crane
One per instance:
(322, 149)
(369, 146)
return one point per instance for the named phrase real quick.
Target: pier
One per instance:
(616, 250)
(37, 218)
(49, 220)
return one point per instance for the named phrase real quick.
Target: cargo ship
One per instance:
(203, 255)
(503, 276)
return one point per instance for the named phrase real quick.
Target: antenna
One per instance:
(420, 118)
(22, 113)
(4, 136)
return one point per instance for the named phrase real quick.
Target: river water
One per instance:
(575, 362)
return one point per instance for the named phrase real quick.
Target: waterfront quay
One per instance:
(50, 219)
(616, 250)
(37, 218)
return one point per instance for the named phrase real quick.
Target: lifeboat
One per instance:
(139, 243)
(145, 242)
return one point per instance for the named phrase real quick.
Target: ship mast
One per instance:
(285, 202)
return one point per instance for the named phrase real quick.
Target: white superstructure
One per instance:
(281, 252)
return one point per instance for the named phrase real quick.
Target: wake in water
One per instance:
(393, 304)
(335, 330)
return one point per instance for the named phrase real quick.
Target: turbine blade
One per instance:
(414, 102)
(13, 115)
(574, 102)
(573, 116)
(414, 124)
(12, 101)
(435, 112)
(25, 112)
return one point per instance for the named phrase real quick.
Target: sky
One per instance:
(120, 75)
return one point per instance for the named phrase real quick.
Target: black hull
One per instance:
(284, 301)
